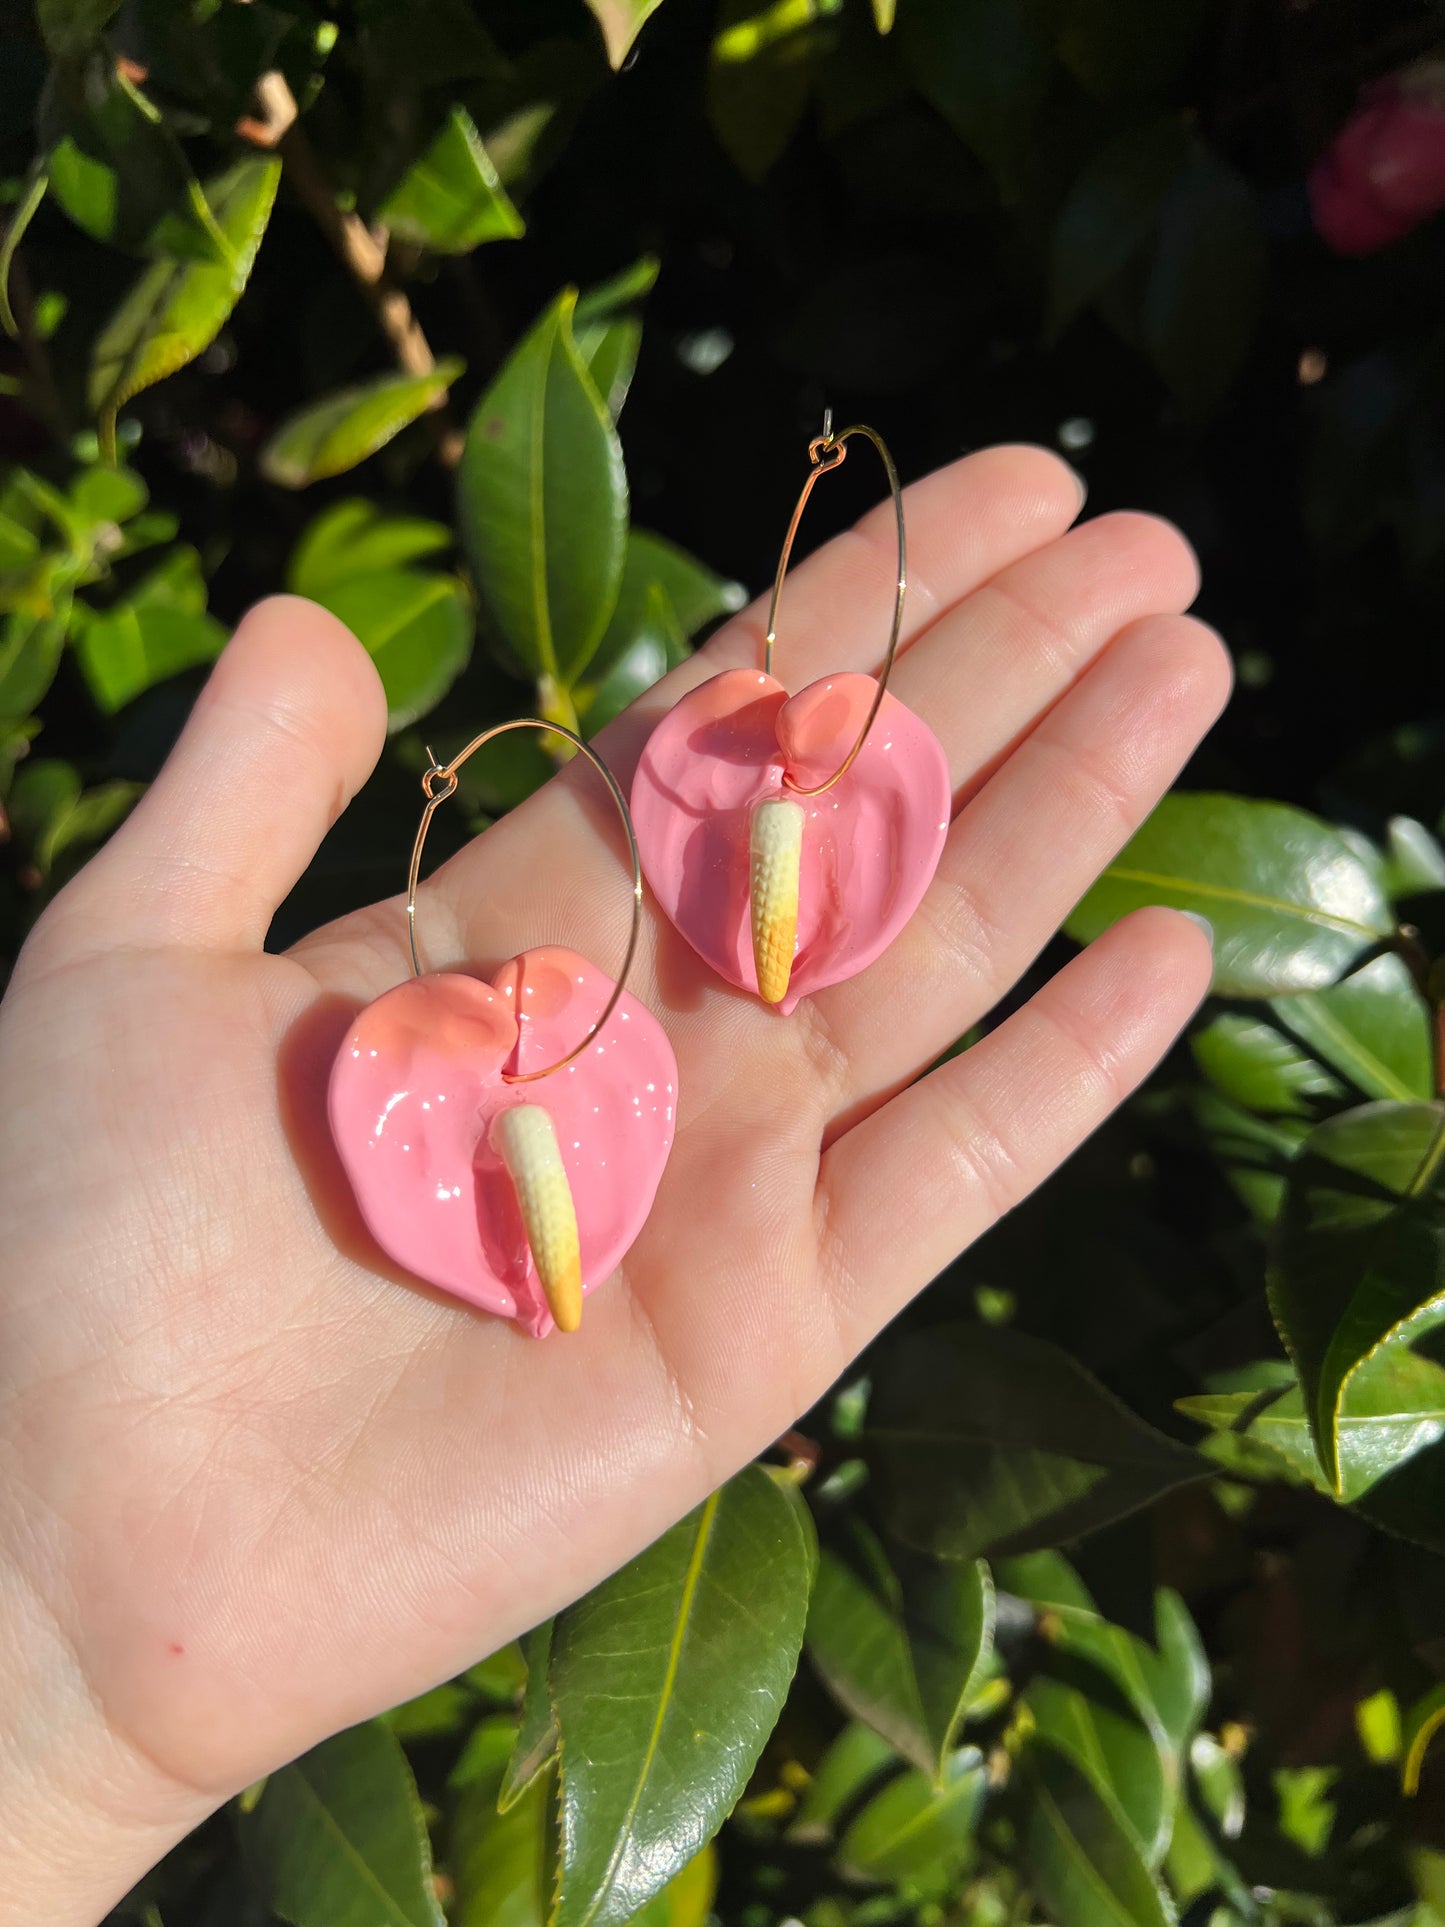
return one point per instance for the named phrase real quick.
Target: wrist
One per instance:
(83, 1814)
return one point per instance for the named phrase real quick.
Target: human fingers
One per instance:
(1024, 850)
(903, 1192)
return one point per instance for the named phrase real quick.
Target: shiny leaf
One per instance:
(917, 1830)
(666, 1681)
(856, 1759)
(1087, 1868)
(159, 629)
(903, 1651)
(1360, 1253)
(984, 1439)
(1392, 1407)
(664, 598)
(542, 500)
(1258, 1065)
(501, 1861)
(177, 308)
(1082, 1713)
(337, 1838)
(417, 629)
(686, 1900)
(451, 199)
(536, 1741)
(1372, 1028)
(1292, 906)
(331, 435)
(355, 537)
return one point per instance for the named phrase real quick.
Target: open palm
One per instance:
(262, 1484)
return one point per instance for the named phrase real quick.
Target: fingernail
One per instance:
(1204, 924)
(1079, 483)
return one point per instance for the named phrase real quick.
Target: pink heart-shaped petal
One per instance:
(870, 844)
(415, 1088)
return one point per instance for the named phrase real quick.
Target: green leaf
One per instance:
(1392, 1408)
(30, 651)
(331, 435)
(542, 502)
(618, 294)
(615, 680)
(1083, 1714)
(665, 597)
(608, 329)
(903, 1651)
(501, 1861)
(1372, 1028)
(451, 199)
(117, 169)
(984, 1439)
(1110, 212)
(1359, 1258)
(1370, 1031)
(621, 21)
(355, 537)
(1166, 1684)
(177, 308)
(918, 1830)
(667, 1680)
(686, 1900)
(536, 1742)
(69, 27)
(1292, 906)
(1088, 1870)
(856, 1759)
(610, 350)
(1414, 859)
(1206, 283)
(884, 12)
(1257, 1064)
(696, 595)
(1423, 1721)
(417, 629)
(155, 632)
(1253, 1153)
(760, 77)
(1125, 1711)
(337, 1838)
(28, 206)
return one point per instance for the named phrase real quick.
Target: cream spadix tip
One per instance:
(776, 856)
(526, 1142)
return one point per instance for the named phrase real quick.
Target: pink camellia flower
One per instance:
(1384, 173)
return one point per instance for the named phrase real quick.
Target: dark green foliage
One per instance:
(1129, 1594)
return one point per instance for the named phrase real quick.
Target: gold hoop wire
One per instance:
(447, 773)
(828, 451)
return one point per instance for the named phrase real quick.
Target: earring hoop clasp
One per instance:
(828, 451)
(439, 782)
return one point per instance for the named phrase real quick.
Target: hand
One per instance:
(257, 1486)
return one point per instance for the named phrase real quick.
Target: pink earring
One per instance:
(790, 838)
(517, 1195)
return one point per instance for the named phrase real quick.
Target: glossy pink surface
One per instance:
(870, 846)
(415, 1087)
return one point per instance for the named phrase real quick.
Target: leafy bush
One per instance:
(254, 248)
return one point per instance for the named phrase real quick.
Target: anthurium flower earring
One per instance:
(505, 1140)
(790, 838)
